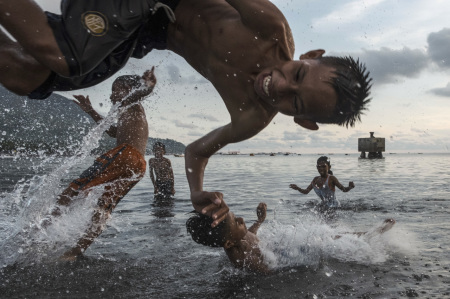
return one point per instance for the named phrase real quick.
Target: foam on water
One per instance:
(308, 240)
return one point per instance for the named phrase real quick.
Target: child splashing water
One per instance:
(118, 170)
(325, 186)
(245, 251)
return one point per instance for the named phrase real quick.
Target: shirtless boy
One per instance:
(118, 170)
(244, 48)
(161, 172)
(240, 244)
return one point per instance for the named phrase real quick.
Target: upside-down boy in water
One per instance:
(121, 168)
(241, 244)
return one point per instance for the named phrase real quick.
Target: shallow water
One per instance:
(145, 251)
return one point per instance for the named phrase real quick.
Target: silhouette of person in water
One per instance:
(325, 185)
(161, 172)
(120, 169)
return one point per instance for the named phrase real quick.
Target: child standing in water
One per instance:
(325, 185)
(161, 172)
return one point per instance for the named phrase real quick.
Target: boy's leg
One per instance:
(114, 192)
(19, 72)
(27, 23)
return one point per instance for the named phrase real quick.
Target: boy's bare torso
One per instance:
(162, 168)
(133, 128)
(229, 50)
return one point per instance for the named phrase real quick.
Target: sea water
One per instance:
(145, 252)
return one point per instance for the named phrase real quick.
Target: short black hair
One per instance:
(158, 144)
(199, 226)
(132, 81)
(352, 85)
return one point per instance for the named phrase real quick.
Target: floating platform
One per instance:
(374, 146)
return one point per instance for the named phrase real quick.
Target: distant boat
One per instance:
(178, 155)
(286, 154)
(272, 154)
(252, 154)
(232, 153)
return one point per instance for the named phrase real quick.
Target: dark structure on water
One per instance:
(373, 145)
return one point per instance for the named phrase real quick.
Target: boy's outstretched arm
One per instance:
(304, 191)
(85, 104)
(197, 154)
(261, 212)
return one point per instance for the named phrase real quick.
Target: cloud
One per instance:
(386, 65)
(203, 116)
(443, 92)
(439, 47)
(347, 13)
(180, 124)
(176, 76)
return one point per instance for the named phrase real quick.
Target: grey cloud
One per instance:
(203, 116)
(176, 76)
(180, 124)
(443, 91)
(174, 73)
(385, 65)
(439, 47)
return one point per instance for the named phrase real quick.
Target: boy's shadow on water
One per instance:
(162, 206)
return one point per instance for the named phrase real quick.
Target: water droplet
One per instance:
(190, 170)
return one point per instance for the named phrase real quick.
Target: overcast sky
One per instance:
(405, 45)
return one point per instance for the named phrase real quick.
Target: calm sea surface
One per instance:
(145, 251)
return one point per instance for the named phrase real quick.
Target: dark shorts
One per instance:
(98, 37)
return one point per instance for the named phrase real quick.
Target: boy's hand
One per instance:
(149, 78)
(261, 212)
(83, 102)
(351, 185)
(293, 186)
(149, 83)
(210, 204)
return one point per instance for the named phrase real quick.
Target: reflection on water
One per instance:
(163, 206)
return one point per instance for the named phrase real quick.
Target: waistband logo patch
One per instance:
(95, 23)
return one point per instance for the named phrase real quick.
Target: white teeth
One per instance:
(266, 83)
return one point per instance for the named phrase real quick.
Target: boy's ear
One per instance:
(307, 124)
(313, 54)
(228, 244)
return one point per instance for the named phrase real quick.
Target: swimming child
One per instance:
(240, 244)
(325, 186)
(161, 172)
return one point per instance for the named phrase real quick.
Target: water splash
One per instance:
(309, 240)
(24, 240)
